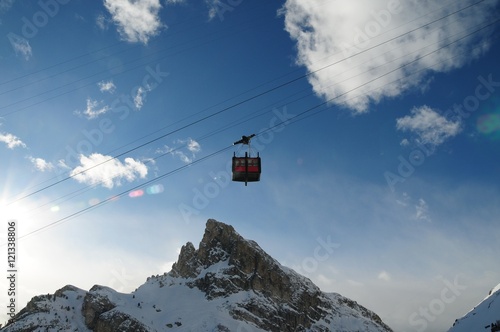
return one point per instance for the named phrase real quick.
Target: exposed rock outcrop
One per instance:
(227, 284)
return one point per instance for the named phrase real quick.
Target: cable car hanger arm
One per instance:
(244, 139)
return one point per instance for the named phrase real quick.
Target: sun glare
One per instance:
(13, 211)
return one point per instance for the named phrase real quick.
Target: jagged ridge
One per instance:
(228, 284)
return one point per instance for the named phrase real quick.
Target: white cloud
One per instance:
(80, 18)
(62, 164)
(217, 7)
(431, 127)
(5, 5)
(384, 275)
(11, 141)
(21, 46)
(107, 86)
(137, 20)
(139, 97)
(182, 156)
(422, 210)
(192, 146)
(331, 33)
(96, 169)
(404, 200)
(94, 109)
(102, 22)
(355, 283)
(41, 164)
(404, 142)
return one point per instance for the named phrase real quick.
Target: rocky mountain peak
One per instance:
(243, 261)
(229, 283)
(220, 243)
(242, 265)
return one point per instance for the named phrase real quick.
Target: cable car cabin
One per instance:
(246, 169)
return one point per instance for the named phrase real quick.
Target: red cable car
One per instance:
(246, 169)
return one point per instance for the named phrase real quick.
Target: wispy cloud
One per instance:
(215, 7)
(98, 169)
(403, 201)
(21, 46)
(431, 127)
(355, 283)
(12, 141)
(41, 164)
(140, 97)
(137, 20)
(61, 163)
(5, 5)
(102, 22)
(422, 210)
(363, 61)
(384, 275)
(108, 86)
(94, 109)
(192, 146)
(404, 142)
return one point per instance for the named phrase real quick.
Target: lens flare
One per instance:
(155, 189)
(136, 193)
(489, 124)
(94, 201)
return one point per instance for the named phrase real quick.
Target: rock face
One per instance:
(98, 313)
(58, 312)
(227, 284)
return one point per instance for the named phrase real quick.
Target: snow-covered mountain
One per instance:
(484, 317)
(227, 284)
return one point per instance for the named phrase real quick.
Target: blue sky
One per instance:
(378, 124)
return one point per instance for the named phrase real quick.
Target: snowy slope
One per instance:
(228, 284)
(160, 307)
(60, 311)
(482, 316)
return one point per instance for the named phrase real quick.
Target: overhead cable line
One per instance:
(294, 119)
(298, 78)
(58, 64)
(87, 209)
(235, 105)
(222, 34)
(87, 54)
